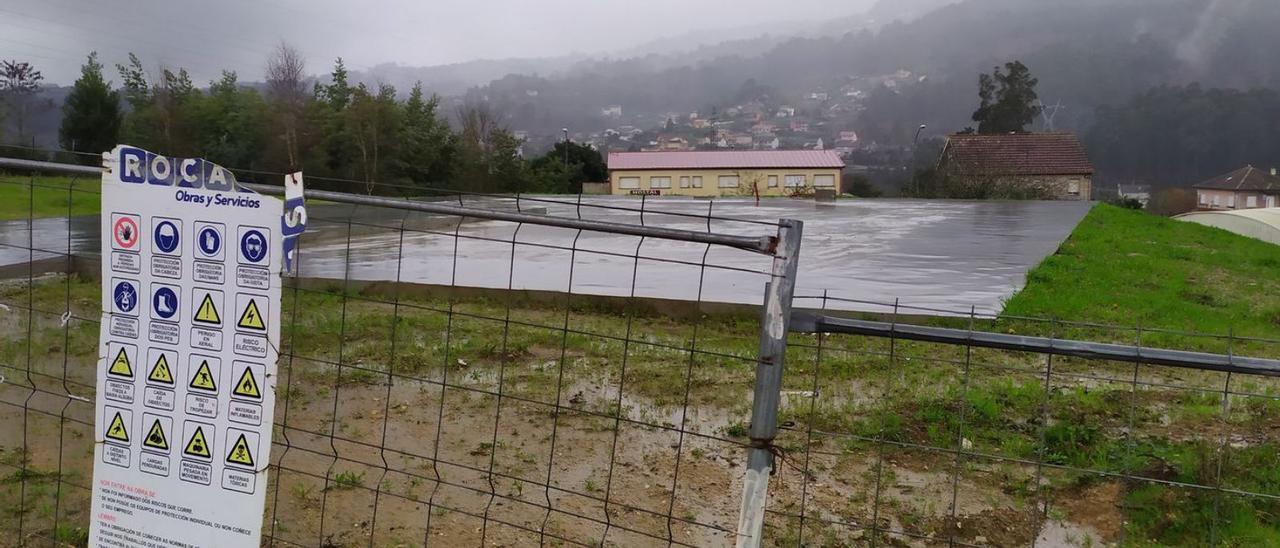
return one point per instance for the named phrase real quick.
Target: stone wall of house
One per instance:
(1065, 187)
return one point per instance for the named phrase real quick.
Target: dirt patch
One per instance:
(1097, 507)
(994, 527)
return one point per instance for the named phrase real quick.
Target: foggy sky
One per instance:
(206, 36)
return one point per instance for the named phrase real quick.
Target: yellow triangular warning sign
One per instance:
(118, 431)
(240, 453)
(197, 446)
(121, 366)
(251, 318)
(203, 379)
(160, 371)
(208, 312)
(247, 386)
(156, 438)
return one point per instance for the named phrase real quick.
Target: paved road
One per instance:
(941, 254)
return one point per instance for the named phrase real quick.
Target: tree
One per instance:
(161, 112)
(19, 82)
(331, 101)
(373, 122)
(585, 165)
(288, 100)
(1008, 100)
(91, 114)
(426, 144)
(230, 123)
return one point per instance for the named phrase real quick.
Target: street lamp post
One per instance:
(566, 149)
(915, 143)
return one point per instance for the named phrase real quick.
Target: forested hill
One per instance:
(1147, 82)
(1085, 52)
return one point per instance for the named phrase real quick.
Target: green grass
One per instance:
(54, 196)
(1128, 268)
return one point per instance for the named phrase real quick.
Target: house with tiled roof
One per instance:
(1048, 165)
(1244, 188)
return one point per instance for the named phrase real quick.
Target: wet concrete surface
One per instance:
(949, 255)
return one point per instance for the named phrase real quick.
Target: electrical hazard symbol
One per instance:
(240, 453)
(117, 429)
(203, 378)
(198, 446)
(207, 312)
(155, 438)
(121, 366)
(251, 318)
(247, 386)
(160, 372)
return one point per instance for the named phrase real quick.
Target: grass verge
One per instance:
(1124, 267)
(22, 196)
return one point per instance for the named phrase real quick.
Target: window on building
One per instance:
(795, 181)
(659, 182)
(684, 182)
(773, 181)
(1204, 199)
(1251, 201)
(1216, 201)
(728, 181)
(628, 182)
(824, 181)
(697, 181)
(1073, 186)
(1231, 200)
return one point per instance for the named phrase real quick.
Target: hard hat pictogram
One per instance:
(166, 237)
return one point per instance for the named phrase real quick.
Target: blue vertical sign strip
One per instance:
(294, 221)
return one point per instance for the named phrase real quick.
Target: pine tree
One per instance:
(1008, 100)
(91, 115)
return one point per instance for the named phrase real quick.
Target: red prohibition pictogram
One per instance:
(126, 232)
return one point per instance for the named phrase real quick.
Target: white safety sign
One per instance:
(191, 276)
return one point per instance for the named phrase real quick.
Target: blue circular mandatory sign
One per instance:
(165, 302)
(166, 236)
(209, 241)
(254, 246)
(125, 296)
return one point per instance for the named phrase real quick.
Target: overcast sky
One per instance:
(205, 36)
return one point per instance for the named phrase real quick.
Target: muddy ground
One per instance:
(414, 423)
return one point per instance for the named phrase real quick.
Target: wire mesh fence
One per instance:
(453, 408)
(894, 440)
(493, 379)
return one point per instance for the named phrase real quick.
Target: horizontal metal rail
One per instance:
(805, 322)
(758, 244)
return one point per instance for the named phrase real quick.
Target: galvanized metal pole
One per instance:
(774, 323)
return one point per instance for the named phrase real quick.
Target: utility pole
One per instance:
(566, 149)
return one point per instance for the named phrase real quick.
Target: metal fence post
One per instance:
(775, 320)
